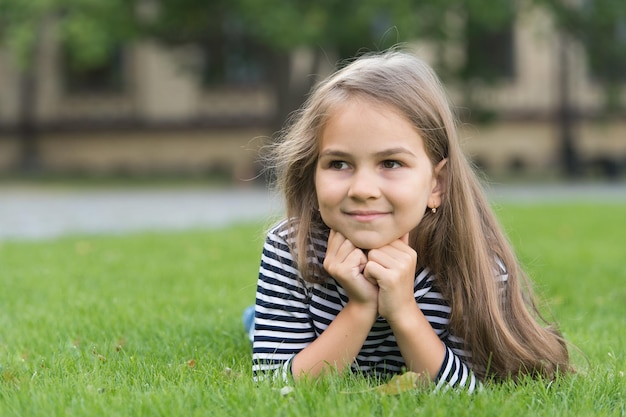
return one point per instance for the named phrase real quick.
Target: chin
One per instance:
(367, 244)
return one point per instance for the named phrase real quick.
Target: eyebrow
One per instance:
(381, 154)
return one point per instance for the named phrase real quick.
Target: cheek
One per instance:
(415, 221)
(326, 204)
(327, 192)
(416, 206)
(319, 191)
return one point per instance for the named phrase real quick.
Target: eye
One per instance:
(339, 165)
(391, 164)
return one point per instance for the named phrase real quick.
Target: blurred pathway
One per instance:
(40, 212)
(31, 212)
(566, 192)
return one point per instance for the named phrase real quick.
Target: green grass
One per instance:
(149, 325)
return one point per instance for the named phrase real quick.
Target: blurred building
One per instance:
(157, 110)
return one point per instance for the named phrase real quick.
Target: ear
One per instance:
(438, 188)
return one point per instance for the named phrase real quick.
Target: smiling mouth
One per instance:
(366, 216)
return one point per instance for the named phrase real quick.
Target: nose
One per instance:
(364, 185)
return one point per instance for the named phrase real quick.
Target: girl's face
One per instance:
(373, 178)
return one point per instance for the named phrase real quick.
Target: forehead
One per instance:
(338, 100)
(361, 124)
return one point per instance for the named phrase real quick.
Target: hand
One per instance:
(392, 267)
(345, 262)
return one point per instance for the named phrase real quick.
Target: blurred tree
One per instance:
(252, 41)
(339, 28)
(600, 26)
(87, 29)
(273, 29)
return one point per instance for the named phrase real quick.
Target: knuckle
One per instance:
(329, 267)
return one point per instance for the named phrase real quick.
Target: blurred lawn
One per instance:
(149, 324)
(576, 255)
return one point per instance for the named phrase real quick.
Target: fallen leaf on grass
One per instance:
(10, 376)
(99, 356)
(120, 345)
(396, 385)
(399, 384)
(230, 373)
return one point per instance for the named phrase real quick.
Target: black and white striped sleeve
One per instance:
(455, 370)
(282, 321)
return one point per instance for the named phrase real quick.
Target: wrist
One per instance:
(362, 311)
(404, 317)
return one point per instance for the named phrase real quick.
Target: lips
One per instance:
(366, 215)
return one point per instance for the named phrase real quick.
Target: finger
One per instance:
(373, 272)
(335, 240)
(383, 257)
(345, 247)
(332, 236)
(357, 258)
(369, 278)
(402, 246)
(342, 255)
(393, 255)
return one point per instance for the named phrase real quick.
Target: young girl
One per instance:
(390, 258)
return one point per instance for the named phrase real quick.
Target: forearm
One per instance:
(422, 350)
(338, 345)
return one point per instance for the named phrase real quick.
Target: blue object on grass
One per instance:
(248, 322)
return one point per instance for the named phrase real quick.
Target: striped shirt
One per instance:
(291, 313)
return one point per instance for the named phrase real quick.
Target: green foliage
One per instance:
(89, 29)
(372, 24)
(18, 23)
(149, 325)
(600, 26)
(185, 21)
(283, 25)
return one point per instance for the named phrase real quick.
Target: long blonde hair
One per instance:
(462, 243)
